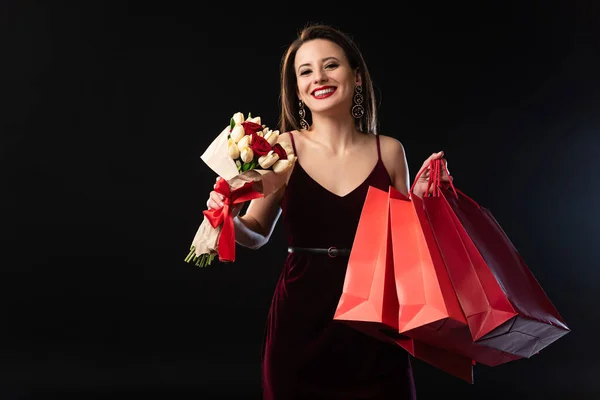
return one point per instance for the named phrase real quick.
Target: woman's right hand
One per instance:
(215, 202)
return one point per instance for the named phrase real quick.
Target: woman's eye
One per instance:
(305, 72)
(332, 65)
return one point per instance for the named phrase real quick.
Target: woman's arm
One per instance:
(254, 228)
(394, 159)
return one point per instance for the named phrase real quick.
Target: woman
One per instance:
(329, 115)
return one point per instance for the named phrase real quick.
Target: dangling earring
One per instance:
(302, 112)
(358, 110)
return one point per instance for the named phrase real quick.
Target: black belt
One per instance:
(331, 252)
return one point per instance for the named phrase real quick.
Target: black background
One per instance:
(106, 108)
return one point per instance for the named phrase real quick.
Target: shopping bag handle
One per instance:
(442, 164)
(437, 166)
(435, 178)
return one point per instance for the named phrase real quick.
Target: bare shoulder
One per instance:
(394, 160)
(391, 148)
(292, 139)
(286, 136)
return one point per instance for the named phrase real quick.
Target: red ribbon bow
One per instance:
(216, 217)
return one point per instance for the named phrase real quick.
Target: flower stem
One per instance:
(203, 260)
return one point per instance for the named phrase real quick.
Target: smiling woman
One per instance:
(329, 119)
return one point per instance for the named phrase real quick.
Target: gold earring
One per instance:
(302, 112)
(358, 110)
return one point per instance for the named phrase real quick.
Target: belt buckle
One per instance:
(332, 252)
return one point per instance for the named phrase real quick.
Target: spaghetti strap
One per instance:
(378, 147)
(293, 143)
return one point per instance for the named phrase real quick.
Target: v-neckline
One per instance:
(335, 194)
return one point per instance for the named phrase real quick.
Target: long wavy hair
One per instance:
(289, 118)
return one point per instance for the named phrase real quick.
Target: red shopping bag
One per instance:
(424, 290)
(482, 300)
(428, 305)
(369, 302)
(536, 323)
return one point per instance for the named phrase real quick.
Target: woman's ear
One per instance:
(357, 77)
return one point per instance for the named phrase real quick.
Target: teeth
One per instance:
(324, 91)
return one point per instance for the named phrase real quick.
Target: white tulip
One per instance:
(268, 159)
(238, 118)
(237, 133)
(256, 120)
(247, 154)
(246, 141)
(233, 150)
(272, 137)
(283, 165)
(289, 150)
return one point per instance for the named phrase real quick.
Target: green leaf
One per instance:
(245, 167)
(231, 124)
(249, 115)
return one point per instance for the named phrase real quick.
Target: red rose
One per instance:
(251, 127)
(259, 145)
(280, 151)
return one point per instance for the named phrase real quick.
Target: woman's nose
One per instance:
(320, 76)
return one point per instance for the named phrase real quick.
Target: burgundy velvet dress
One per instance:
(306, 354)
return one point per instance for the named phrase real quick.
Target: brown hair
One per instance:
(289, 118)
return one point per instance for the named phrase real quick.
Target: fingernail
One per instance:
(221, 203)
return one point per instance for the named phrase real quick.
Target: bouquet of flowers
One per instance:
(251, 163)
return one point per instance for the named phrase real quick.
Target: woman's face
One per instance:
(325, 80)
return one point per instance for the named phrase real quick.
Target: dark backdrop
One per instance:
(107, 106)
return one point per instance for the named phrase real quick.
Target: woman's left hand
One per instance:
(420, 185)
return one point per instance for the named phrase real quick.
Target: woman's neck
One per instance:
(336, 134)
